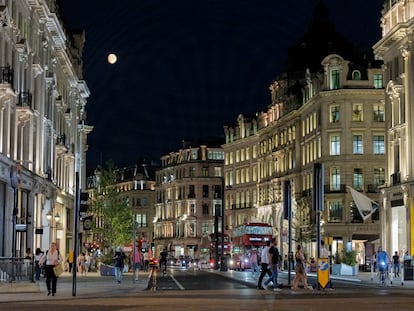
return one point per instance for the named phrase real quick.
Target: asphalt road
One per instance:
(201, 290)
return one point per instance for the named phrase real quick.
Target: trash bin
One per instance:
(408, 271)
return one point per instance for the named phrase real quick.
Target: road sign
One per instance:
(323, 272)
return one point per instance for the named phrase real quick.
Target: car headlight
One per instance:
(231, 262)
(246, 260)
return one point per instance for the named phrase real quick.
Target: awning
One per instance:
(365, 237)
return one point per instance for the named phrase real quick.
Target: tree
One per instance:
(114, 223)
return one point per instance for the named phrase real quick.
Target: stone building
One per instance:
(396, 49)
(189, 194)
(43, 130)
(327, 108)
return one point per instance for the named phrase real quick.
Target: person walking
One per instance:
(265, 260)
(274, 265)
(80, 261)
(253, 262)
(38, 255)
(69, 260)
(163, 260)
(137, 263)
(119, 258)
(300, 272)
(146, 261)
(49, 260)
(396, 263)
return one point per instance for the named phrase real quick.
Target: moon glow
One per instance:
(112, 58)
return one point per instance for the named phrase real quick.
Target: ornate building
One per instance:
(325, 109)
(43, 131)
(396, 49)
(189, 192)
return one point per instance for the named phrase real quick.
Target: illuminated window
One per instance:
(357, 114)
(334, 113)
(335, 145)
(335, 74)
(335, 211)
(378, 111)
(357, 144)
(358, 178)
(379, 144)
(356, 75)
(335, 179)
(378, 81)
(379, 176)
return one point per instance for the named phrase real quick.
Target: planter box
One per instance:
(336, 269)
(349, 270)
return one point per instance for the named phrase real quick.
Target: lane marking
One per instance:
(178, 283)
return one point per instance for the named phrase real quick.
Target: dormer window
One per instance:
(356, 75)
(334, 81)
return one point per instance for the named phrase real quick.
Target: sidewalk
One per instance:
(363, 277)
(91, 285)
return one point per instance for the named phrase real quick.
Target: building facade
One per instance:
(396, 49)
(189, 192)
(328, 110)
(43, 130)
(134, 185)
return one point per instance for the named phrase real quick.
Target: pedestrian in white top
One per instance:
(264, 262)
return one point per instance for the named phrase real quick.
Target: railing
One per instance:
(6, 75)
(16, 269)
(25, 99)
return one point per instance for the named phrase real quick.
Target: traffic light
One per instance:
(83, 207)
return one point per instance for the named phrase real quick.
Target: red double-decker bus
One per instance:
(247, 237)
(227, 246)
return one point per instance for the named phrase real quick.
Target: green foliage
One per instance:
(349, 258)
(115, 217)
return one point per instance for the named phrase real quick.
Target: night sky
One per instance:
(188, 67)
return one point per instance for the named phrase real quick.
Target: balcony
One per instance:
(335, 188)
(25, 100)
(6, 75)
(396, 178)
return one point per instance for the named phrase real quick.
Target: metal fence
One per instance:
(16, 269)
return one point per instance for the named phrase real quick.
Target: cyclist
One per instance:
(382, 264)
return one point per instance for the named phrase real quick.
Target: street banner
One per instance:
(365, 205)
(323, 272)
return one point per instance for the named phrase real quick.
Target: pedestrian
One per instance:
(146, 261)
(137, 263)
(300, 272)
(253, 262)
(69, 260)
(119, 258)
(80, 262)
(265, 260)
(274, 265)
(163, 260)
(396, 262)
(87, 263)
(38, 255)
(49, 260)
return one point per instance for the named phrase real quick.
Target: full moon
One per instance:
(112, 58)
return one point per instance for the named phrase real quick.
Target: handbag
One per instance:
(58, 270)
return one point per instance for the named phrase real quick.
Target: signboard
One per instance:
(323, 272)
